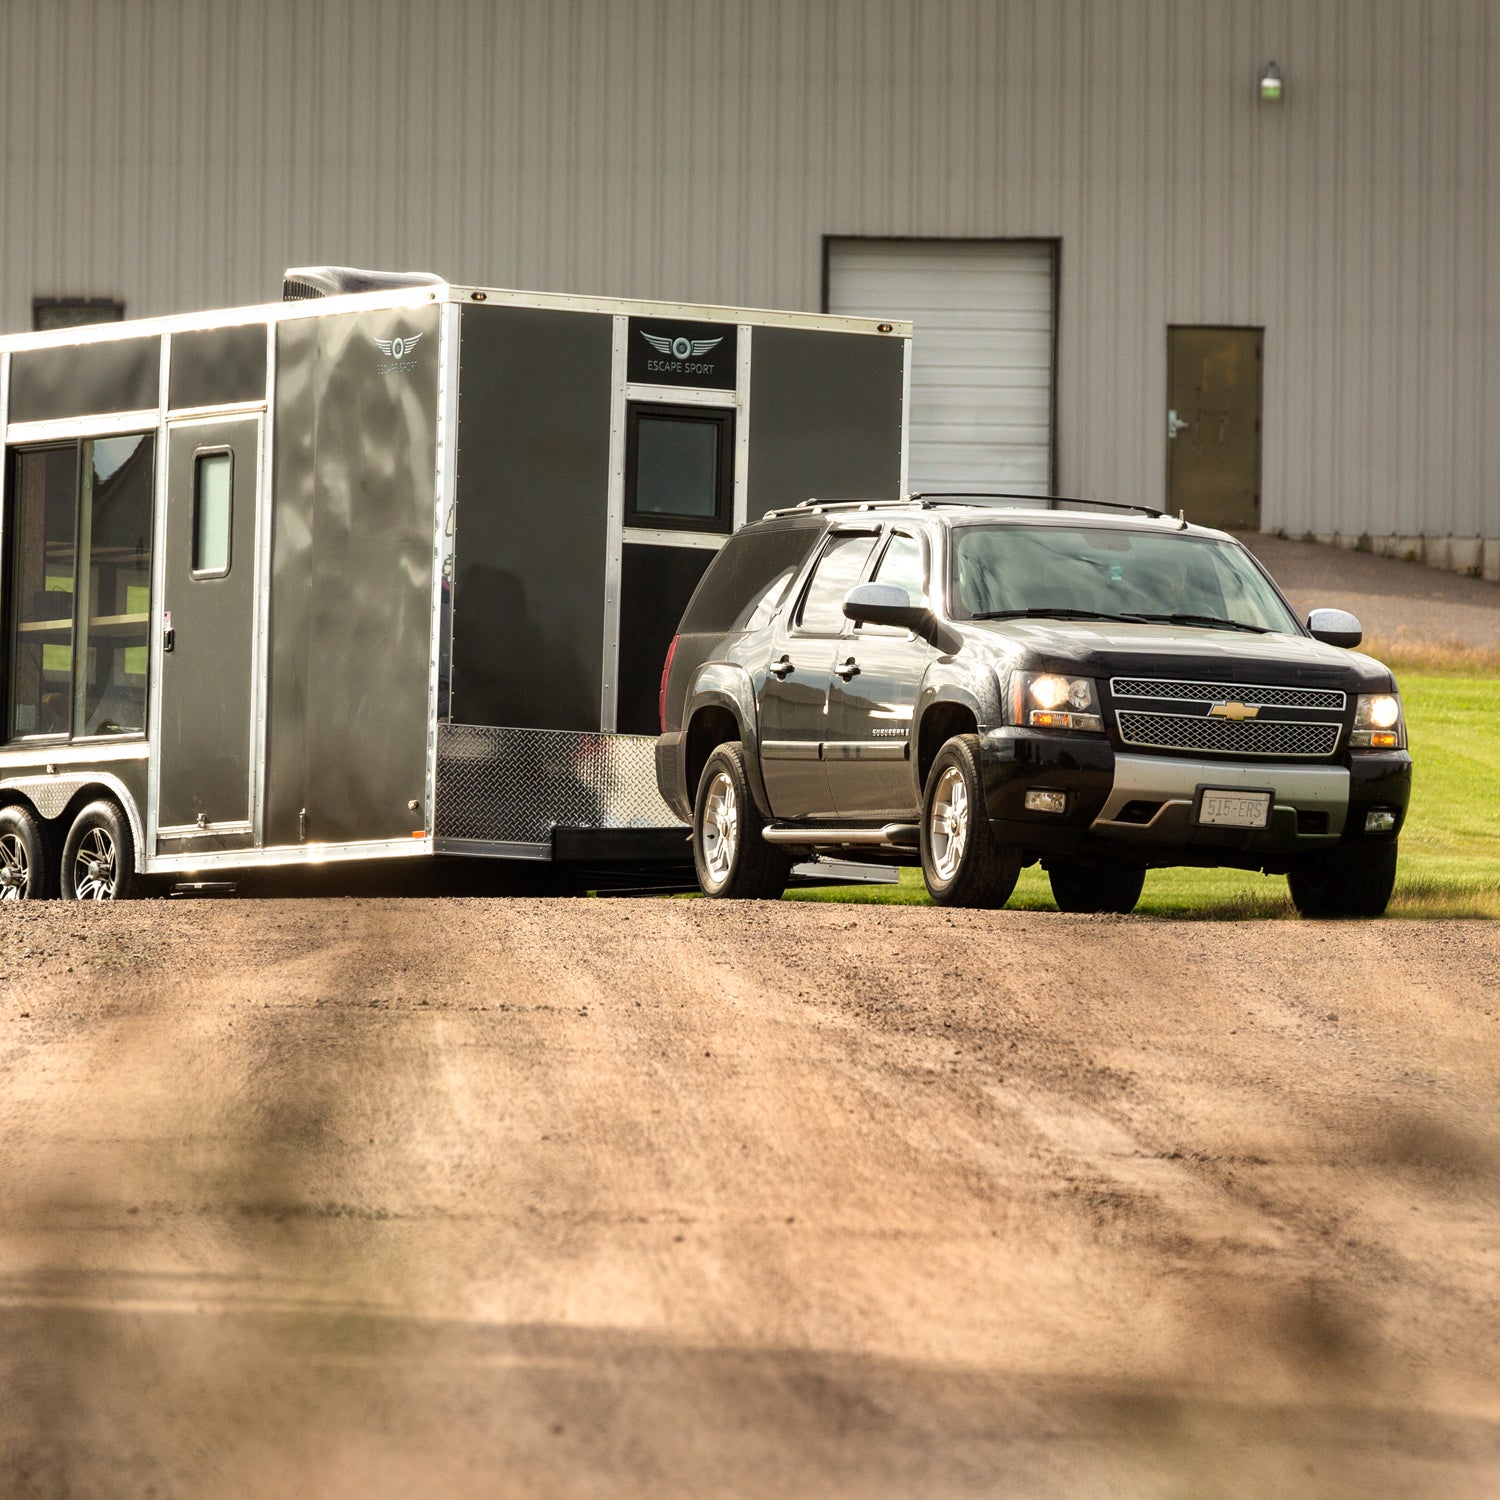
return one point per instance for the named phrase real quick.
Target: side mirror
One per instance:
(1336, 627)
(889, 604)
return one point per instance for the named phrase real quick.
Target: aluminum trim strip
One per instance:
(492, 849)
(299, 854)
(61, 428)
(678, 396)
(791, 749)
(38, 751)
(614, 525)
(638, 536)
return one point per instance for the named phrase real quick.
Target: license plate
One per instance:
(1225, 809)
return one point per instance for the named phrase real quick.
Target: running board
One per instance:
(891, 836)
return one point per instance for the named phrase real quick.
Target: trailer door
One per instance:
(204, 766)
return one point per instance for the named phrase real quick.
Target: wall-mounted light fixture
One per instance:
(1270, 84)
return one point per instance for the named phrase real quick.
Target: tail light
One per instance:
(661, 697)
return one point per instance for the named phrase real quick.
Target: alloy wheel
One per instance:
(721, 828)
(949, 823)
(15, 868)
(94, 866)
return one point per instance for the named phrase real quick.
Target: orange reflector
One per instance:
(419, 833)
(1383, 740)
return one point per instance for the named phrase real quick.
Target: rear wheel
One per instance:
(28, 857)
(1078, 886)
(963, 864)
(731, 857)
(1347, 883)
(98, 861)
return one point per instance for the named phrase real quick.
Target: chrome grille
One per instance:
(1227, 692)
(1252, 737)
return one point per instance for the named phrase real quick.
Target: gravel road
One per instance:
(515, 1197)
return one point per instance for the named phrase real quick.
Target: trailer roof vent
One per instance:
(299, 283)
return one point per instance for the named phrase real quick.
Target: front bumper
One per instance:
(1142, 809)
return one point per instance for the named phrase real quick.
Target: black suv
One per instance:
(979, 686)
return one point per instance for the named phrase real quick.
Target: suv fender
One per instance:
(723, 685)
(950, 695)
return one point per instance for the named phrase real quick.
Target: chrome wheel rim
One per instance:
(15, 868)
(721, 828)
(948, 823)
(94, 866)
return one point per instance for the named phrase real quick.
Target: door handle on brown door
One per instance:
(849, 669)
(780, 668)
(1175, 424)
(168, 635)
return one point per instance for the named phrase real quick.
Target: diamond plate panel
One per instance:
(1253, 737)
(1226, 692)
(517, 785)
(50, 795)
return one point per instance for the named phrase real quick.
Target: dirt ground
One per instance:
(515, 1197)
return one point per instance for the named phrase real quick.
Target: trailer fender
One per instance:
(723, 686)
(60, 797)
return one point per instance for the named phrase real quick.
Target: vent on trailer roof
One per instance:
(299, 283)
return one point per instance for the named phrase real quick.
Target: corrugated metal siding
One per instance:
(179, 153)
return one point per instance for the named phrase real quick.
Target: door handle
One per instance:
(168, 635)
(1175, 424)
(849, 669)
(780, 668)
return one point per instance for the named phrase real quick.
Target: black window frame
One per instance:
(721, 523)
(216, 450)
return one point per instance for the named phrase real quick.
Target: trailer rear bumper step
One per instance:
(889, 835)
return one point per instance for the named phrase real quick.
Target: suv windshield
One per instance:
(1097, 572)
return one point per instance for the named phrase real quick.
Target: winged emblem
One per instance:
(398, 348)
(681, 348)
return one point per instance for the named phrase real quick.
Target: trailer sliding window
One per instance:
(80, 588)
(679, 467)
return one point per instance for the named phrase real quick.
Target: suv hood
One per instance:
(1104, 648)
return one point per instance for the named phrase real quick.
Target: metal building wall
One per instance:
(179, 153)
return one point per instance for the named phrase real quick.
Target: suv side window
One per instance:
(901, 563)
(838, 570)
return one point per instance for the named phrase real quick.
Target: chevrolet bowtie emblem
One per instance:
(1235, 711)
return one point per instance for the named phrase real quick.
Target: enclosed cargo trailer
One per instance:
(387, 569)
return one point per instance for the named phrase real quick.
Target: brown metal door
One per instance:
(1213, 425)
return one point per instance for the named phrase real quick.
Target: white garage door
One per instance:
(981, 397)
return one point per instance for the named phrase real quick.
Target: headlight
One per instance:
(1378, 724)
(1048, 700)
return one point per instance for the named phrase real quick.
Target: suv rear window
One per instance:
(750, 576)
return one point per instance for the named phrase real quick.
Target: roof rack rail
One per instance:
(1046, 502)
(931, 499)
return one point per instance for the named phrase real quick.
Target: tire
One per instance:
(28, 856)
(1349, 883)
(1082, 887)
(963, 864)
(733, 861)
(98, 859)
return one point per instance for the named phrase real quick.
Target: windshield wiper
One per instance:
(1048, 613)
(1213, 622)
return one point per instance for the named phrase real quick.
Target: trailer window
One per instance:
(81, 588)
(44, 548)
(213, 502)
(679, 468)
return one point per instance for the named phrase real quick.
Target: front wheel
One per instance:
(731, 857)
(28, 859)
(1081, 887)
(1347, 883)
(963, 864)
(98, 862)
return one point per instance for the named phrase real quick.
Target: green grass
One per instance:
(1450, 847)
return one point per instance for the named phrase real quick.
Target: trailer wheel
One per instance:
(28, 857)
(98, 862)
(731, 857)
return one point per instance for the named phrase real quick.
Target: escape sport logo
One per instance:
(396, 350)
(684, 352)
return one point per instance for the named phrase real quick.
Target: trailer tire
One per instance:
(28, 856)
(731, 858)
(98, 860)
